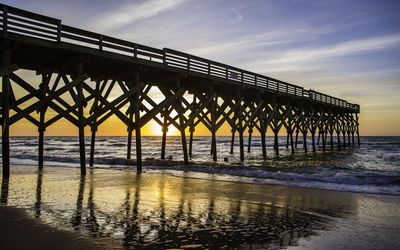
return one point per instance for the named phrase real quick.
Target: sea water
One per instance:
(373, 167)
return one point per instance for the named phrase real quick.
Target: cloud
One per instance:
(133, 12)
(342, 49)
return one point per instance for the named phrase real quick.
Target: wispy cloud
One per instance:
(342, 49)
(133, 12)
(240, 46)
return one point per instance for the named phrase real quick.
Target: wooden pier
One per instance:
(79, 70)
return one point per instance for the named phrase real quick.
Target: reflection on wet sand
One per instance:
(159, 211)
(38, 202)
(4, 190)
(76, 219)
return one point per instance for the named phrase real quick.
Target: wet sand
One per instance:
(20, 231)
(120, 209)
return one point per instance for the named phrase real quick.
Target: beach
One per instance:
(120, 209)
(200, 125)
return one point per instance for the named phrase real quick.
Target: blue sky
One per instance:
(349, 49)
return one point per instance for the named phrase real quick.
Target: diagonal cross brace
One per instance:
(47, 99)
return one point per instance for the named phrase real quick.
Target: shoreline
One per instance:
(160, 165)
(58, 194)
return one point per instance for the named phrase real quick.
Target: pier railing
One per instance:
(21, 22)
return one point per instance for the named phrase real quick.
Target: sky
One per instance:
(348, 49)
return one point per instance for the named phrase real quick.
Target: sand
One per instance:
(56, 208)
(19, 231)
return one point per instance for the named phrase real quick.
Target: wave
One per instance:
(389, 185)
(372, 168)
(384, 184)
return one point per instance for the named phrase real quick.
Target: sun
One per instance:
(152, 128)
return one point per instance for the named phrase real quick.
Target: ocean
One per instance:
(373, 167)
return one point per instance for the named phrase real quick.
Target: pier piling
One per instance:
(5, 125)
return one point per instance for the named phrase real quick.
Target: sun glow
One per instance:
(153, 128)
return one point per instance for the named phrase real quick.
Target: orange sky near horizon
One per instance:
(382, 124)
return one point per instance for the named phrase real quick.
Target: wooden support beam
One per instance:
(48, 99)
(290, 131)
(182, 124)
(62, 114)
(92, 145)
(81, 120)
(74, 96)
(5, 135)
(191, 130)
(166, 103)
(276, 143)
(232, 140)
(156, 106)
(276, 131)
(305, 140)
(253, 114)
(313, 130)
(130, 112)
(42, 111)
(291, 143)
(226, 115)
(129, 142)
(263, 144)
(343, 131)
(352, 129)
(287, 139)
(240, 127)
(213, 126)
(324, 142)
(348, 137)
(357, 130)
(176, 100)
(197, 111)
(138, 123)
(94, 125)
(221, 113)
(183, 138)
(28, 117)
(249, 141)
(112, 105)
(262, 129)
(313, 140)
(331, 130)
(164, 135)
(192, 126)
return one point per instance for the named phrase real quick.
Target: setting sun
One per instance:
(154, 129)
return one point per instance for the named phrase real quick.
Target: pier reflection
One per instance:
(4, 190)
(91, 222)
(159, 211)
(38, 203)
(76, 219)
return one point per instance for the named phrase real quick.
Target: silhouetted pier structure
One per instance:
(79, 70)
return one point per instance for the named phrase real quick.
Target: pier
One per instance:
(79, 69)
